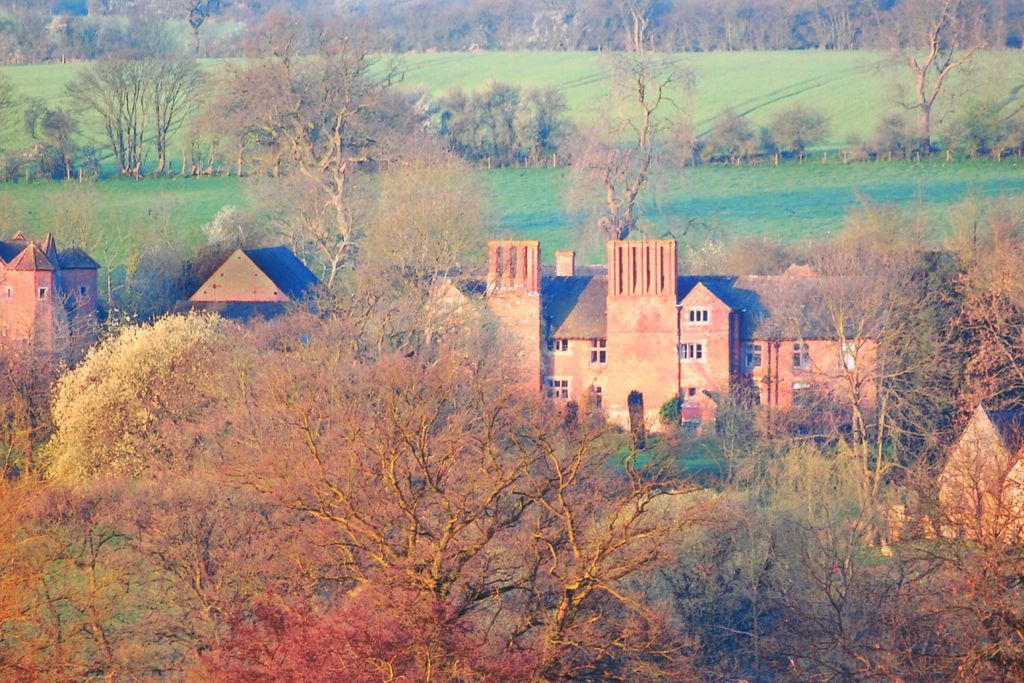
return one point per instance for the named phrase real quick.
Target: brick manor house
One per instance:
(597, 334)
(47, 296)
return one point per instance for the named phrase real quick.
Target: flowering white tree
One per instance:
(132, 401)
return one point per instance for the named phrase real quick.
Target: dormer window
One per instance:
(698, 316)
(42, 293)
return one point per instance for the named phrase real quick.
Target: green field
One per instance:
(854, 88)
(793, 203)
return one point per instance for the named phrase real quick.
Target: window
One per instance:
(698, 316)
(596, 397)
(10, 292)
(558, 345)
(801, 394)
(598, 351)
(556, 388)
(83, 291)
(691, 352)
(848, 356)
(801, 357)
(691, 392)
(42, 292)
(752, 355)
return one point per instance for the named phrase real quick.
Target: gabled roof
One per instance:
(576, 307)
(31, 258)
(285, 270)
(719, 285)
(21, 253)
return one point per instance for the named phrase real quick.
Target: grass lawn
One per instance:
(128, 214)
(794, 203)
(853, 88)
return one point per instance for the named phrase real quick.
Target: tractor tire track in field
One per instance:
(753, 104)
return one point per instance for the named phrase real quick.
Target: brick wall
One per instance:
(706, 325)
(576, 366)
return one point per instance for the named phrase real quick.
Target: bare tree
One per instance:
(620, 158)
(315, 112)
(172, 84)
(945, 25)
(884, 301)
(636, 17)
(117, 91)
(198, 11)
(9, 102)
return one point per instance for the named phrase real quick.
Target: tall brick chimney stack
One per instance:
(642, 268)
(643, 327)
(565, 263)
(513, 295)
(514, 265)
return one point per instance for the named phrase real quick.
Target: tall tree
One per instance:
(117, 92)
(621, 157)
(945, 25)
(172, 85)
(316, 111)
(8, 105)
(197, 12)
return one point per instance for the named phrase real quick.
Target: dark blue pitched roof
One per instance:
(1009, 424)
(286, 271)
(242, 311)
(76, 259)
(576, 307)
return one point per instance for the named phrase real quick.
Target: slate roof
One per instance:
(76, 259)
(784, 306)
(9, 249)
(774, 306)
(31, 258)
(1009, 425)
(21, 253)
(576, 307)
(242, 311)
(285, 270)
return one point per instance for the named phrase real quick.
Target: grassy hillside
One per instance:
(854, 88)
(793, 203)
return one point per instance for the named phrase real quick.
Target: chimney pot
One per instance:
(565, 263)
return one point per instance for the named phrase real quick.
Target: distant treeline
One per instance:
(53, 30)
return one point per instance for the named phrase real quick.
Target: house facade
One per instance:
(47, 296)
(635, 327)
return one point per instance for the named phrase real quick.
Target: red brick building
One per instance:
(597, 334)
(46, 295)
